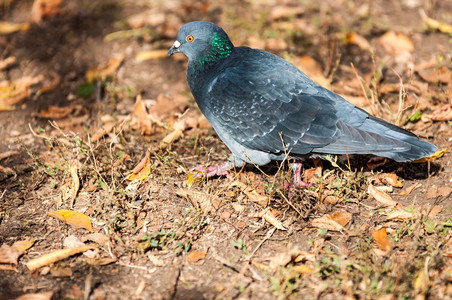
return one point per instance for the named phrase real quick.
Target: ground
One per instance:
(90, 126)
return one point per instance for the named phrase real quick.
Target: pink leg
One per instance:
(221, 170)
(297, 181)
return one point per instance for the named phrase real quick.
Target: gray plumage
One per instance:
(263, 107)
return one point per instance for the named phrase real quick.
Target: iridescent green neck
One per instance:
(220, 48)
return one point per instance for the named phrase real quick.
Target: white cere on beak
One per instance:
(176, 44)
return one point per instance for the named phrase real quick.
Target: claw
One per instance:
(211, 171)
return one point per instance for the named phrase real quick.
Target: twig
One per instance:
(267, 236)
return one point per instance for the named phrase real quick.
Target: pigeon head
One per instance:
(202, 42)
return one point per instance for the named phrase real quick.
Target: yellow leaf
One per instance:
(302, 269)
(152, 54)
(192, 178)
(434, 24)
(434, 156)
(7, 27)
(383, 198)
(72, 218)
(142, 174)
(382, 240)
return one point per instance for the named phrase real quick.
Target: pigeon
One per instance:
(264, 108)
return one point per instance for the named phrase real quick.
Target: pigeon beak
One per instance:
(174, 48)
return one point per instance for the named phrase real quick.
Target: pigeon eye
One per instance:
(190, 38)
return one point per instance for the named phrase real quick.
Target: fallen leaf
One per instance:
(388, 178)
(104, 72)
(435, 24)
(302, 269)
(151, 54)
(72, 241)
(381, 197)
(269, 216)
(72, 218)
(396, 43)
(51, 85)
(341, 217)
(11, 254)
(434, 211)
(381, 238)
(407, 191)
(105, 129)
(434, 156)
(206, 202)
(327, 222)
(435, 191)
(55, 112)
(442, 113)
(96, 237)
(436, 75)
(140, 121)
(44, 8)
(400, 214)
(75, 186)
(192, 178)
(251, 193)
(142, 174)
(286, 257)
(196, 256)
(5, 63)
(7, 27)
(357, 39)
(13, 92)
(55, 256)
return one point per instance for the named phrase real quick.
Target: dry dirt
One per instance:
(160, 238)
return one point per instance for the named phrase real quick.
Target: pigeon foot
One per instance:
(220, 170)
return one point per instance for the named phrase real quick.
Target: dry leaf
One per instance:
(142, 174)
(286, 257)
(357, 39)
(7, 27)
(196, 256)
(302, 269)
(13, 92)
(434, 156)
(96, 237)
(434, 211)
(341, 217)
(192, 178)
(388, 178)
(396, 43)
(11, 254)
(407, 191)
(421, 284)
(434, 24)
(251, 193)
(442, 113)
(435, 191)
(55, 112)
(152, 54)
(44, 8)
(202, 200)
(50, 85)
(104, 72)
(72, 218)
(55, 256)
(436, 75)
(75, 186)
(400, 214)
(141, 122)
(327, 222)
(381, 238)
(269, 216)
(381, 197)
(105, 129)
(5, 63)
